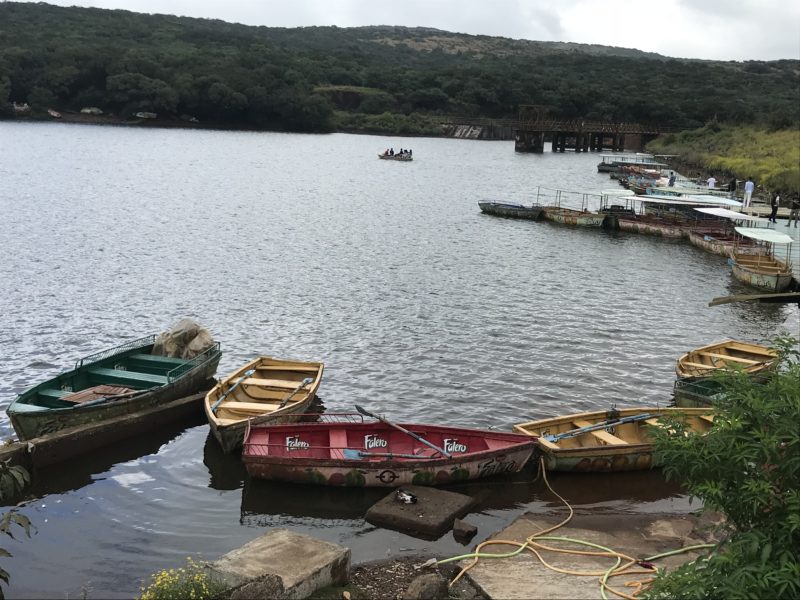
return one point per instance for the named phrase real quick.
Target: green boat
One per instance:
(108, 385)
(697, 393)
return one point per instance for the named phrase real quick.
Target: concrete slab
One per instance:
(638, 536)
(429, 518)
(303, 563)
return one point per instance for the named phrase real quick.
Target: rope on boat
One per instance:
(532, 544)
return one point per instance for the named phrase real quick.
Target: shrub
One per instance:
(189, 582)
(747, 467)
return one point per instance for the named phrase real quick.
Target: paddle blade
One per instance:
(364, 412)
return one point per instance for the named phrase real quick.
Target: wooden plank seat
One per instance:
(687, 363)
(120, 376)
(53, 393)
(287, 368)
(279, 383)
(600, 434)
(155, 358)
(738, 359)
(260, 407)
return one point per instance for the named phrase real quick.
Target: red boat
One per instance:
(346, 450)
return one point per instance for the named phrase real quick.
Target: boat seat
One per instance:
(118, 375)
(155, 358)
(287, 368)
(746, 361)
(600, 434)
(687, 363)
(280, 383)
(53, 393)
(259, 407)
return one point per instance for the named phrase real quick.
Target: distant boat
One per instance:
(570, 216)
(706, 360)
(616, 440)
(344, 450)
(405, 157)
(515, 211)
(145, 115)
(54, 113)
(265, 389)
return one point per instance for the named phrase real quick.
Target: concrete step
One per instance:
(302, 563)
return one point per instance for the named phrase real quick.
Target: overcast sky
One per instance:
(709, 29)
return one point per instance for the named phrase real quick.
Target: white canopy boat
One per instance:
(763, 271)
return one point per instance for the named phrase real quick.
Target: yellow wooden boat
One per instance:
(616, 440)
(265, 390)
(704, 361)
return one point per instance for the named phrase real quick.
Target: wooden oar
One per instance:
(352, 454)
(233, 387)
(406, 431)
(603, 425)
(303, 384)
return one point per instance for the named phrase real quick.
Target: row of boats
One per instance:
(702, 220)
(263, 409)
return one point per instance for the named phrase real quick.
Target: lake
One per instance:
(308, 247)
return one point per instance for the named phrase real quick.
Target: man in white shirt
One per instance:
(749, 186)
(712, 181)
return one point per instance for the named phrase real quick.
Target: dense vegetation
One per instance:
(323, 78)
(748, 468)
(770, 158)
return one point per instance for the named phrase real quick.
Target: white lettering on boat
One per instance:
(453, 446)
(371, 441)
(294, 443)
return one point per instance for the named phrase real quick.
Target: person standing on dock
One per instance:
(774, 203)
(749, 186)
(732, 188)
(712, 182)
(671, 181)
(794, 215)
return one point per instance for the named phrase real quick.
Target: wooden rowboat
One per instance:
(617, 440)
(265, 389)
(704, 361)
(346, 450)
(515, 211)
(108, 385)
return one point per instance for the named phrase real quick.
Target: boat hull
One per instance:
(574, 217)
(310, 453)
(769, 282)
(703, 362)
(666, 230)
(514, 211)
(32, 421)
(230, 437)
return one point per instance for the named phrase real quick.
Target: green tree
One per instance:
(13, 481)
(748, 468)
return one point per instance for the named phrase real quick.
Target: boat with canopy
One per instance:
(763, 271)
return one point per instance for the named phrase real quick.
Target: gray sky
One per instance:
(709, 29)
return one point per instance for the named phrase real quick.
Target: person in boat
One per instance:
(409, 151)
(671, 182)
(774, 203)
(386, 152)
(391, 151)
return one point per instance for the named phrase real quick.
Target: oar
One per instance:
(233, 387)
(303, 384)
(604, 425)
(351, 454)
(366, 413)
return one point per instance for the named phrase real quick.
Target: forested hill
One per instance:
(314, 78)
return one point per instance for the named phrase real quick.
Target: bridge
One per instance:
(533, 126)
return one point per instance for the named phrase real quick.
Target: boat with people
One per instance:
(704, 361)
(266, 389)
(763, 270)
(514, 211)
(135, 376)
(349, 450)
(601, 441)
(403, 155)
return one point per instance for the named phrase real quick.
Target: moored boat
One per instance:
(345, 450)
(110, 384)
(616, 440)
(515, 211)
(706, 360)
(405, 157)
(263, 390)
(570, 216)
(719, 237)
(763, 271)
